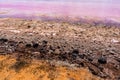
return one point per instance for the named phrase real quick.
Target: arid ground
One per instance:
(48, 50)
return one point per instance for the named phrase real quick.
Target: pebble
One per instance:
(57, 51)
(29, 26)
(102, 60)
(3, 40)
(45, 42)
(28, 45)
(35, 45)
(82, 56)
(75, 51)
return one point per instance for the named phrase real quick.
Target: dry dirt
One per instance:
(95, 47)
(10, 69)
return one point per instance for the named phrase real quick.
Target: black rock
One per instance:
(20, 42)
(82, 56)
(58, 47)
(118, 78)
(28, 45)
(81, 64)
(35, 45)
(102, 60)
(44, 42)
(90, 59)
(3, 40)
(118, 59)
(29, 26)
(74, 56)
(43, 50)
(62, 57)
(75, 51)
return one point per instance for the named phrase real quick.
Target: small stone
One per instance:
(118, 78)
(44, 42)
(58, 47)
(82, 56)
(57, 51)
(114, 41)
(43, 50)
(28, 45)
(29, 26)
(102, 60)
(76, 51)
(81, 64)
(118, 59)
(112, 52)
(35, 45)
(74, 56)
(21, 44)
(90, 58)
(3, 40)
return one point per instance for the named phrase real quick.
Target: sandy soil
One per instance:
(10, 69)
(92, 46)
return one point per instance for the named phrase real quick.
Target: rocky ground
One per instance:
(10, 69)
(92, 46)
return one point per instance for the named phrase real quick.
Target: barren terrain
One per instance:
(94, 49)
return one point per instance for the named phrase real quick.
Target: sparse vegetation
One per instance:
(19, 65)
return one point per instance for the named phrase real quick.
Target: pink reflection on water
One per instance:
(64, 9)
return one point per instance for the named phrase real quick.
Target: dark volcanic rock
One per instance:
(75, 51)
(118, 78)
(3, 40)
(28, 45)
(29, 26)
(35, 45)
(102, 60)
(44, 42)
(82, 56)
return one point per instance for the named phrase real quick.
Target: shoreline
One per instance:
(77, 21)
